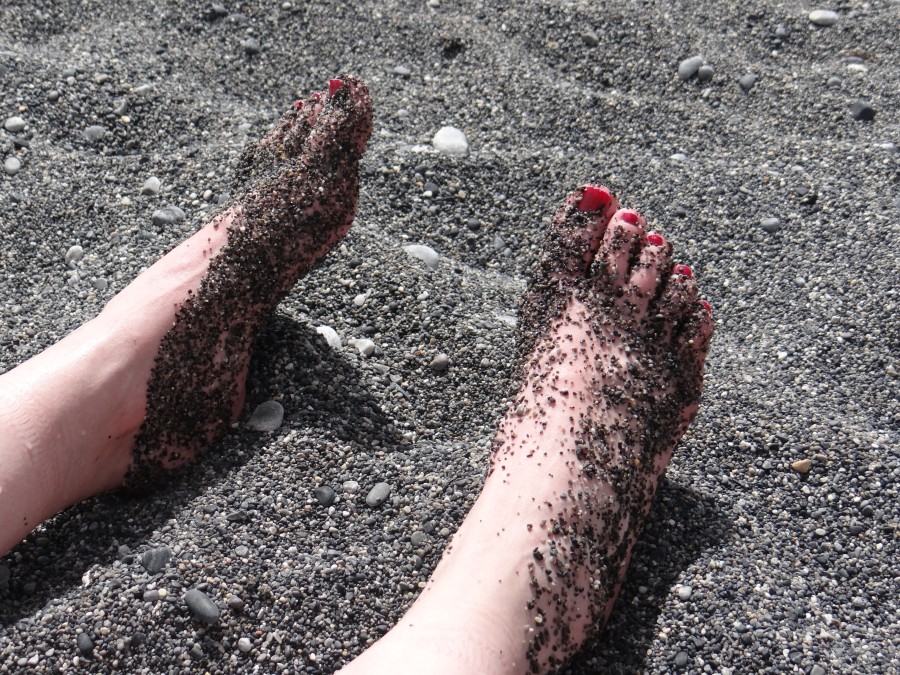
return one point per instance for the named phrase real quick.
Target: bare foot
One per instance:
(617, 338)
(160, 373)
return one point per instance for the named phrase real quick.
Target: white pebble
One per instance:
(74, 254)
(245, 645)
(685, 592)
(451, 141)
(331, 337)
(424, 253)
(823, 17)
(12, 165)
(365, 346)
(151, 186)
(14, 124)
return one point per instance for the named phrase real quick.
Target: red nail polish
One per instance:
(298, 105)
(655, 239)
(683, 270)
(630, 217)
(594, 198)
(706, 306)
(334, 85)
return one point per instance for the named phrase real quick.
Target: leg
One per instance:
(617, 339)
(157, 377)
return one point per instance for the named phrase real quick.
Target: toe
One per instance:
(679, 297)
(576, 231)
(620, 244)
(647, 274)
(692, 342)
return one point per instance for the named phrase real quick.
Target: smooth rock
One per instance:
(11, 165)
(817, 670)
(242, 551)
(681, 659)
(74, 254)
(747, 81)
(451, 141)
(350, 487)
(167, 215)
(268, 416)
(705, 73)
(424, 253)
(235, 603)
(590, 38)
(331, 337)
(325, 495)
(94, 133)
(402, 71)
(833, 82)
(84, 643)
(151, 186)
(14, 124)
(251, 46)
(156, 558)
(771, 225)
(823, 17)
(862, 111)
(440, 363)
(418, 538)
(685, 592)
(203, 609)
(689, 67)
(365, 346)
(802, 465)
(378, 494)
(245, 645)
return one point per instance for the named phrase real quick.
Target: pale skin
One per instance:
(619, 339)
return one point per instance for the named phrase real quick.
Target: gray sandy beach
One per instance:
(773, 547)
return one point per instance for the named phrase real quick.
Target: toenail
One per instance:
(683, 270)
(706, 306)
(594, 198)
(334, 85)
(630, 217)
(298, 105)
(655, 239)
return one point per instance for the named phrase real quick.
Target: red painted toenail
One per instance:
(334, 85)
(298, 105)
(655, 239)
(630, 217)
(684, 271)
(706, 306)
(594, 198)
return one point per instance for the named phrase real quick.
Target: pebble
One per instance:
(235, 602)
(802, 465)
(862, 111)
(817, 670)
(590, 38)
(14, 124)
(771, 225)
(12, 165)
(203, 609)
(245, 645)
(351, 487)
(325, 495)
(451, 141)
(833, 81)
(331, 337)
(705, 73)
(685, 592)
(418, 538)
(689, 67)
(365, 346)
(151, 186)
(251, 45)
(402, 71)
(74, 254)
(681, 659)
(424, 253)
(268, 416)
(242, 551)
(378, 494)
(823, 17)
(440, 363)
(84, 643)
(747, 81)
(167, 215)
(94, 133)
(156, 558)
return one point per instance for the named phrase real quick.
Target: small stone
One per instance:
(705, 73)
(424, 253)
(268, 416)
(331, 337)
(142, 90)
(84, 643)
(590, 38)
(245, 645)
(833, 82)
(325, 495)
(250, 45)
(681, 659)
(771, 225)
(747, 81)
(685, 592)
(862, 111)
(235, 603)
(802, 465)
(689, 67)
(74, 254)
(156, 558)
(451, 141)
(14, 124)
(94, 133)
(817, 670)
(378, 494)
(151, 186)
(203, 609)
(823, 17)
(168, 215)
(418, 538)
(402, 71)
(242, 551)
(440, 363)
(151, 596)
(365, 346)
(138, 638)
(351, 487)
(11, 165)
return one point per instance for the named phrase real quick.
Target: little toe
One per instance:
(576, 231)
(693, 339)
(621, 243)
(652, 264)
(677, 300)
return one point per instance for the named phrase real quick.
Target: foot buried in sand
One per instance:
(616, 338)
(300, 188)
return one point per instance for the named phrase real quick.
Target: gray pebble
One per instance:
(424, 253)
(817, 670)
(833, 82)
(590, 38)
(251, 46)
(100, 283)
(94, 133)
(151, 186)
(235, 603)
(862, 111)
(823, 17)
(747, 81)
(268, 416)
(203, 609)
(156, 558)
(325, 495)
(142, 90)
(378, 494)
(151, 596)
(241, 551)
(681, 659)
(167, 215)
(705, 73)
(84, 643)
(402, 71)
(689, 67)
(245, 645)
(74, 254)
(12, 165)
(440, 363)
(451, 141)
(771, 225)
(418, 538)
(365, 346)
(14, 124)
(350, 487)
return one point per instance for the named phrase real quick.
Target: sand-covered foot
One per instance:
(616, 337)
